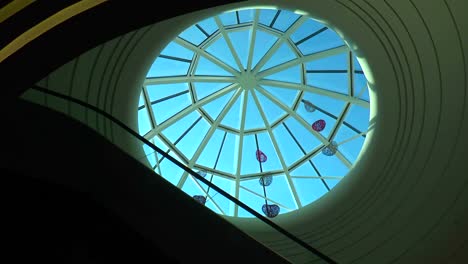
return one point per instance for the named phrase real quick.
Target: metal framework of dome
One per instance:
(252, 75)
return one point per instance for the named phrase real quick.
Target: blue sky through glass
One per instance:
(215, 110)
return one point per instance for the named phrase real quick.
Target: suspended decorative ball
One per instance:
(265, 180)
(261, 157)
(309, 107)
(330, 149)
(202, 173)
(319, 125)
(270, 210)
(200, 198)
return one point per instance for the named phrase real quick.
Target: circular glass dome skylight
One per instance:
(269, 105)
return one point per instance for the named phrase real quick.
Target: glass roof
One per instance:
(269, 105)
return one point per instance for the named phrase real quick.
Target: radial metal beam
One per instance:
(149, 108)
(185, 79)
(229, 42)
(266, 198)
(207, 55)
(278, 151)
(303, 59)
(240, 148)
(190, 109)
(343, 159)
(253, 35)
(281, 39)
(339, 122)
(352, 138)
(316, 90)
(318, 177)
(208, 135)
(259, 174)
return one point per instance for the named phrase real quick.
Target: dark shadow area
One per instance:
(52, 223)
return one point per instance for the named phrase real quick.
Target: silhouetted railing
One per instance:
(188, 170)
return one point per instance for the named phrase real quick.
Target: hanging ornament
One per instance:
(330, 149)
(261, 157)
(309, 107)
(200, 198)
(319, 125)
(270, 210)
(265, 180)
(202, 173)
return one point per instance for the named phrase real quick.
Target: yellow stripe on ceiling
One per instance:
(13, 7)
(47, 25)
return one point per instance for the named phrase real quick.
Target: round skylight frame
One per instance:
(244, 83)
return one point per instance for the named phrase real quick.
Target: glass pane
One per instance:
(221, 50)
(174, 131)
(265, 144)
(191, 141)
(166, 109)
(168, 67)
(335, 62)
(249, 162)
(144, 125)
(204, 89)
(289, 149)
(160, 91)
(325, 40)
(241, 43)
(283, 54)
(308, 27)
(210, 151)
(306, 140)
(215, 107)
(263, 42)
(271, 110)
(228, 18)
(209, 25)
(329, 104)
(176, 50)
(229, 154)
(291, 75)
(193, 35)
(246, 15)
(285, 96)
(232, 118)
(358, 117)
(206, 67)
(266, 16)
(285, 20)
(336, 82)
(253, 118)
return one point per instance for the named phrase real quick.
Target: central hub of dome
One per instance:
(247, 80)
